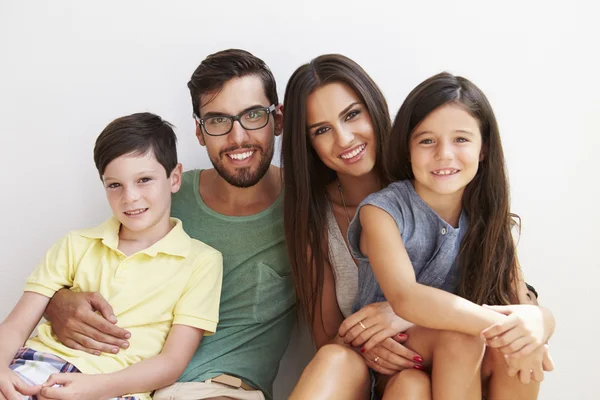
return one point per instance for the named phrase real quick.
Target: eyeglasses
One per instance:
(250, 120)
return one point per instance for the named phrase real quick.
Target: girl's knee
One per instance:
(460, 343)
(411, 378)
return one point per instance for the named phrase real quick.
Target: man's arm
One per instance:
(85, 321)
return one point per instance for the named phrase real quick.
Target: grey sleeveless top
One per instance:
(431, 243)
(345, 271)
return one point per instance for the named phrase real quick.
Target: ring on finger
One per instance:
(361, 324)
(376, 359)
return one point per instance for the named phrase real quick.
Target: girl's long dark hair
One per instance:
(487, 254)
(306, 177)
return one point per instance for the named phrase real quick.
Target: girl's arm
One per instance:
(14, 331)
(328, 316)
(150, 374)
(422, 305)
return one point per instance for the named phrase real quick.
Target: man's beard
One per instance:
(244, 177)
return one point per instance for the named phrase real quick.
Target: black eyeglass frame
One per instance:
(269, 110)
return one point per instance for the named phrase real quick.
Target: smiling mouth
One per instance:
(136, 212)
(353, 153)
(445, 172)
(241, 156)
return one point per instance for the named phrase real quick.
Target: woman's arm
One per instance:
(148, 375)
(422, 305)
(328, 317)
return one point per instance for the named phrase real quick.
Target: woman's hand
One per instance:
(390, 356)
(371, 325)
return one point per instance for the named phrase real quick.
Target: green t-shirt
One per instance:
(257, 311)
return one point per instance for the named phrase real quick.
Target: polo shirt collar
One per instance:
(175, 243)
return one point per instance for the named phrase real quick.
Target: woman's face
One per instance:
(341, 130)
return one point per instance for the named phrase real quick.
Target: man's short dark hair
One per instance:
(217, 69)
(137, 134)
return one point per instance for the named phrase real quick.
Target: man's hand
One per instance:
(85, 321)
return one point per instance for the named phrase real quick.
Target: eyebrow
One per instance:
(221, 114)
(344, 111)
(141, 173)
(454, 131)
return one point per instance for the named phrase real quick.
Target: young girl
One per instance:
(445, 224)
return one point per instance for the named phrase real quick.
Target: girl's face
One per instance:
(341, 130)
(445, 151)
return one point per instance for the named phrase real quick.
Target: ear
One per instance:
(278, 116)
(176, 178)
(199, 134)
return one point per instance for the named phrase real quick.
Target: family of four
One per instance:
(394, 242)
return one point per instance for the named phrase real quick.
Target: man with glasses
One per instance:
(237, 208)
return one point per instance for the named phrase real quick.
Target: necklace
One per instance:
(343, 201)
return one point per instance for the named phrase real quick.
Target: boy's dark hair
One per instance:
(217, 69)
(137, 134)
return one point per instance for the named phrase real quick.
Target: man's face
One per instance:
(242, 157)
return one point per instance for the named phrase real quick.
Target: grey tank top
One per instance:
(345, 271)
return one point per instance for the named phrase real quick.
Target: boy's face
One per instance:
(139, 193)
(241, 157)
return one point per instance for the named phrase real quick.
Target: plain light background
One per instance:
(67, 68)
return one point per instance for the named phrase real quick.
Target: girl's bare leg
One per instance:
(454, 359)
(500, 386)
(335, 372)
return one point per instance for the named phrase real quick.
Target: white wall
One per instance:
(67, 68)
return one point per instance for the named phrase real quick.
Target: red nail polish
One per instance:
(362, 350)
(419, 367)
(402, 335)
(418, 359)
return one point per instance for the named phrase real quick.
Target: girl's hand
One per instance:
(391, 357)
(12, 387)
(72, 386)
(526, 328)
(371, 325)
(530, 367)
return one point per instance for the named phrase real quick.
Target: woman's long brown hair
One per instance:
(487, 254)
(306, 177)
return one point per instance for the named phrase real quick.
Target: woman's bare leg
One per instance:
(335, 372)
(408, 384)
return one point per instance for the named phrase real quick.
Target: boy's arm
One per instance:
(150, 374)
(19, 324)
(15, 329)
(422, 305)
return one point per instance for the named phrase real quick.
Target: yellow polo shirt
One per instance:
(175, 281)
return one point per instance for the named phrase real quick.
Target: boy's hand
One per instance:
(76, 386)
(85, 321)
(12, 387)
(525, 329)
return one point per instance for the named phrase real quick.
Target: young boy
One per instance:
(164, 286)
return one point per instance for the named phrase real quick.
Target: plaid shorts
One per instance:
(35, 367)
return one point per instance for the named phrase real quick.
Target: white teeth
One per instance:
(241, 156)
(445, 172)
(354, 152)
(136, 212)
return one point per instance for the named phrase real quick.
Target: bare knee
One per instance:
(409, 384)
(340, 358)
(460, 345)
